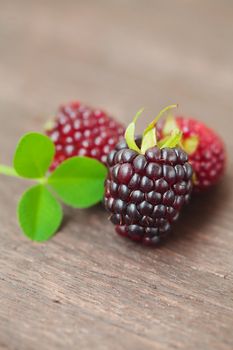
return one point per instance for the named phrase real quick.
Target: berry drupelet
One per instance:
(205, 149)
(147, 185)
(79, 130)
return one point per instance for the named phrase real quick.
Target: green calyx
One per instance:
(149, 139)
(189, 144)
(130, 133)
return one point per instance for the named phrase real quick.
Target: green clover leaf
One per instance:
(33, 155)
(39, 213)
(79, 181)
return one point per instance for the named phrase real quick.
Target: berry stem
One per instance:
(9, 171)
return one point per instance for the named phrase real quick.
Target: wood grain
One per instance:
(88, 288)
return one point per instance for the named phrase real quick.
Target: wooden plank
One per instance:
(88, 288)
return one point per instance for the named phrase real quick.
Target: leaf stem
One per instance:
(9, 171)
(42, 180)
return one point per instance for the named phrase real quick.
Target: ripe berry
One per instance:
(145, 190)
(79, 130)
(205, 148)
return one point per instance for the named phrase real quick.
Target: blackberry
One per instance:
(79, 130)
(144, 193)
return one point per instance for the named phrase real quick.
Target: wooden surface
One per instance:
(88, 288)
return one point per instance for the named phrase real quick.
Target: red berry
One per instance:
(145, 193)
(208, 157)
(79, 130)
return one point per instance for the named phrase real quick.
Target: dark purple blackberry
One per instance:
(145, 192)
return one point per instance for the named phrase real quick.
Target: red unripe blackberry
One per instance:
(205, 149)
(145, 191)
(79, 130)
